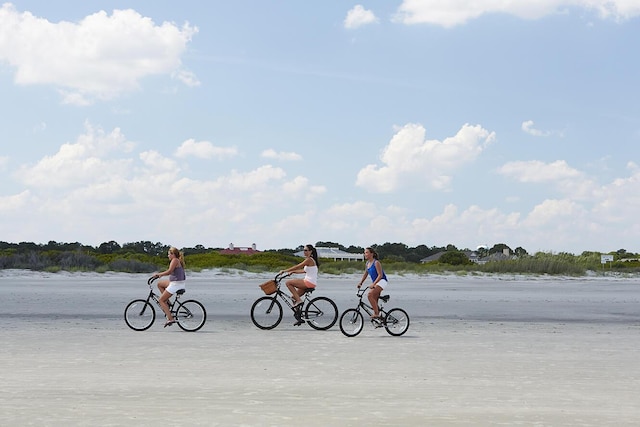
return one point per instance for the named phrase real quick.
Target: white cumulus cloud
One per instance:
(527, 127)
(94, 156)
(447, 13)
(559, 175)
(537, 171)
(282, 155)
(409, 157)
(99, 187)
(359, 16)
(99, 57)
(204, 150)
(15, 202)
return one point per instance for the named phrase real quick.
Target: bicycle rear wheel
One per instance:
(351, 322)
(396, 322)
(266, 312)
(321, 313)
(139, 315)
(190, 315)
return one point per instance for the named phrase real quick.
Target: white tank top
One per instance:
(311, 274)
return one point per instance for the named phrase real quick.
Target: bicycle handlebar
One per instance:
(281, 276)
(151, 280)
(362, 290)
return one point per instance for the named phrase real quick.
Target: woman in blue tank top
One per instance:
(176, 282)
(373, 268)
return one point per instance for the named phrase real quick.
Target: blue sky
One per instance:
(282, 123)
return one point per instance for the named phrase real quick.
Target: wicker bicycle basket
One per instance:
(269, 287)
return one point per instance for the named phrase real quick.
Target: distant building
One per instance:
(433, 257)
(474, 257)
(239, 250)
(335, 254)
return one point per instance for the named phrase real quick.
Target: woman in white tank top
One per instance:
(308, 267)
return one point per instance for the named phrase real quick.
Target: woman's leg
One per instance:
(162, 285)
(297, 288)
(164, 304)
(373, 296)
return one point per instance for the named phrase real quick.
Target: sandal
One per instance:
(169, 323)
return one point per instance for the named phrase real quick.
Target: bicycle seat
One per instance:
(385, 298)
(180, 291)
(309, 290)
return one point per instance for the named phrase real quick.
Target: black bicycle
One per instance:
(395, 321)
(140, 314)
(266, 312)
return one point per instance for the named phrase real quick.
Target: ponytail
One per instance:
(314, 254)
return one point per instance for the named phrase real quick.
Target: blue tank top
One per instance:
(178, 274)
(374, 273)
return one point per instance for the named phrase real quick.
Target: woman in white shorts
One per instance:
(175, 282)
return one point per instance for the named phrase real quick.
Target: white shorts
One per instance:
(382, 283)
(176, 286)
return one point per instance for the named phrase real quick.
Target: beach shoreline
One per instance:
(478, 352)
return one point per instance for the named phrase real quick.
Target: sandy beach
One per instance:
(480, 351)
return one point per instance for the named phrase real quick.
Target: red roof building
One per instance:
(239, 250)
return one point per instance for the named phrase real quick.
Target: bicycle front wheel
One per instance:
(139, 315)
(266, 312)
(321, 313)
(396, 322)
(351, 322)
(190, 315)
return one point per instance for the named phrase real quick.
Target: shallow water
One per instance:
(92, 295)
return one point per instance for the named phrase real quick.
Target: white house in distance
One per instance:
(335, 254)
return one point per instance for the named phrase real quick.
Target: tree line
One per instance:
(147, 256)
(390, 251)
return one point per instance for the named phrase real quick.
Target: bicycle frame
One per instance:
(156, 297)
(284, 297)
(367, 308)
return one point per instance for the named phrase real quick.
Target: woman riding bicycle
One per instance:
(173, 284)
(308, 267)
(373, 268)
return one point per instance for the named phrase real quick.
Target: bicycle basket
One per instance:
(269, 287)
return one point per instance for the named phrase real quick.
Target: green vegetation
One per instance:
(147, 257)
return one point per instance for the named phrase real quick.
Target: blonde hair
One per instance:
(178, 255)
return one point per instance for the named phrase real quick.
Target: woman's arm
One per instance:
(364, 276)
(299, 268)
(172, 266)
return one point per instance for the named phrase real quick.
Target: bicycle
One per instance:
(395, 321)
(140, 314)
(320, 313)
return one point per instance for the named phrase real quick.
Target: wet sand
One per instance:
(480, 351)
